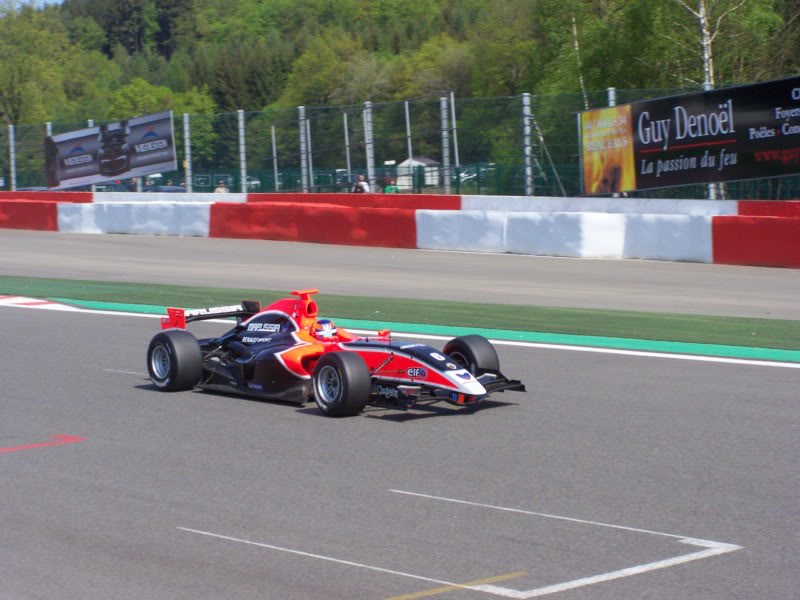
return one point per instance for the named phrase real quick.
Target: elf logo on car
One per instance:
(417, 372)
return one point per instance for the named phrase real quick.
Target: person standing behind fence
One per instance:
(391, 187)
(361, 186)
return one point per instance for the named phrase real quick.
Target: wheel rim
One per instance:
(462, 361)
(160, 362)
(328, 385)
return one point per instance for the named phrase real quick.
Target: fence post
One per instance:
(274, 159)
(455, 130)
(242, 153)
(408, 138)
(612, 96)
(445, 144)
(310, 156)
(12, 159)
(347, 147)
(90, 123)
(527, 151)
(301, 110)
(187, 154)
(368, 144)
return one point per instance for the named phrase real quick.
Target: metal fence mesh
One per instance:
(431, 144)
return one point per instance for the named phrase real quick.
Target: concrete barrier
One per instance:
(580, 235)
(545, 234)
(478, 231)
(148, 218)
(28, 214)
(650, 206)
(319, 223)
(682, 238)
(45, 196)
(697, 231)
(409, 201)
(757, 241)
(769, 208)
(165, 197)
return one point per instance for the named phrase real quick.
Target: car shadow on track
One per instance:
(421, 410)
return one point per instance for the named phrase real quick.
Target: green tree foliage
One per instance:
(324, 69)
(33, 45)
(250, 54)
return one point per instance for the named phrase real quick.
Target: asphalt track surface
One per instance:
(614, 476)
(650, 286)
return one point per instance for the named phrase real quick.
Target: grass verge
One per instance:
(700, 329)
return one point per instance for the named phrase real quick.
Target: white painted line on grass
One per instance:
(711, 549)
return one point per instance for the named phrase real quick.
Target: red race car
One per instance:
(286, 352)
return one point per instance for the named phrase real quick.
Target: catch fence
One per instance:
(519, 145)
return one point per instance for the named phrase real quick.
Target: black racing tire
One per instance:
(341, 383)
(174, 360)
(473, 352)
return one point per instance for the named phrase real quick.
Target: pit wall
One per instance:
(725, 232)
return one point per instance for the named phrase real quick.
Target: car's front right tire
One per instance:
(474, 353)
(174, 360)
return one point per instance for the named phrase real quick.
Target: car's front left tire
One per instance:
(342, 384)
(174, 360)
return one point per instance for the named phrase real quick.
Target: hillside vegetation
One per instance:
(107, 59)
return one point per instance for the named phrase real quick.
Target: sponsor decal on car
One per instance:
(255, 340)
(268, 327)
(388, 391)
(451, 366)
(214, 310)
(408, 346)
(255, 386)
(464, 375)
(417, 372)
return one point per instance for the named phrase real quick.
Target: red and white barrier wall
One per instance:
(728, 232)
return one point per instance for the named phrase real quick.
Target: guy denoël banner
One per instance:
(742, 132)
(130, 148)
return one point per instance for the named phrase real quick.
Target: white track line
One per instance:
(711, 549)
(349, 563)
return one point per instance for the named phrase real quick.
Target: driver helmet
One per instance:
(324, 329)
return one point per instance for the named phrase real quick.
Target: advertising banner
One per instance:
(119, 150)
(743, 132)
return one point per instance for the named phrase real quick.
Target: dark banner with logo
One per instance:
(743, 132)
(119, 150)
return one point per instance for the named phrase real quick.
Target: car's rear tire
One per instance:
(341, 383)
(174, 360)
(474, 353)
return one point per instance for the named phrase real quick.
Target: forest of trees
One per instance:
(107, 59)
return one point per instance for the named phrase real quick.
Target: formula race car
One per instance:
(285, 352)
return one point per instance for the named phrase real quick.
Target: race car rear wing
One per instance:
(177, 318)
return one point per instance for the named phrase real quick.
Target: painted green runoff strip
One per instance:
(719, 350)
